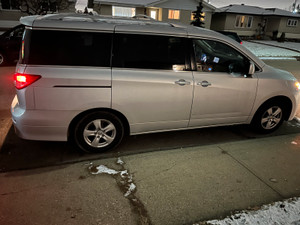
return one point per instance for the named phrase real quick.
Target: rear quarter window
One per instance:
(44, 47)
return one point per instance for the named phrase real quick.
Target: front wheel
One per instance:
(98, 132)
(269, 117)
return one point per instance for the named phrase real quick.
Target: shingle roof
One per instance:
(255, 10)
(130, 2)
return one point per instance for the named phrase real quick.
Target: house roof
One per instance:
(149, 3)
(141, 3)
(255, 10)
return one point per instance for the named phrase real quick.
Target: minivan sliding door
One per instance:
(151, 83)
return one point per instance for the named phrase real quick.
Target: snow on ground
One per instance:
(286, 44)
(126, 178)
(283, 212)
(264, 51)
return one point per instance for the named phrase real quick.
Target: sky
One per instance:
(281, 4)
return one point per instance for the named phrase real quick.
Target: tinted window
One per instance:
(213, 56)
(68, 48)
(149, 52)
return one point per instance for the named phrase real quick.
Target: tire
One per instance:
(269, 117)
(98, 132)
(2, 59)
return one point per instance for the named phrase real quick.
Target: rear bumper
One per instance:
(44, 125)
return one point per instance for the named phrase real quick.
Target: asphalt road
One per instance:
(17, 154)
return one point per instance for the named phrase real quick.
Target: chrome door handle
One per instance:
(182, 82)
(204, 83)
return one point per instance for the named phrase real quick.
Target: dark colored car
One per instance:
(10, 43)
(232, 35)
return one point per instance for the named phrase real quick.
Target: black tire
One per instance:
(269, 117)
(2, 59)
(97, 132)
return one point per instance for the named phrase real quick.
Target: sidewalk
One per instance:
(181, 186)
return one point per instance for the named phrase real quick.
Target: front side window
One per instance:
(214, 56)
(174, 14)
(123, 11)
(243, 21)
(44, 47)
(149, 52)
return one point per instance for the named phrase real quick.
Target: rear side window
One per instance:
(149, 52)
(67, 48)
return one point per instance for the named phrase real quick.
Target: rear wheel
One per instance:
(98, 132)
(2, 59)
(269, 117)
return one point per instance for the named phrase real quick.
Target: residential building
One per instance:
(255, 21)
(162, 10)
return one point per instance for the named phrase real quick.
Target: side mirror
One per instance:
(251, 68)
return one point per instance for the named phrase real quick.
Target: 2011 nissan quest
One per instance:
(93, 79)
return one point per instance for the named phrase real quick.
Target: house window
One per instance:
(243, 21)
(292, 23)
(174, 14)
(202, 14)
(153, 13)
(123, 11)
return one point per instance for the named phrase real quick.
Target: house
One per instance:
(162, 10)
(255, 21)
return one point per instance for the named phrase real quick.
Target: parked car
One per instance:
(10, 43)
(92, 80)
(232, 35)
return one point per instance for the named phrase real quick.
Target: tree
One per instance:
(198, 16)
(36, 7)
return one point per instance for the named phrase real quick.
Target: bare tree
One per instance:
(36, 7)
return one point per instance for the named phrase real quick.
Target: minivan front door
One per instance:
(150, 84)
(224, 93)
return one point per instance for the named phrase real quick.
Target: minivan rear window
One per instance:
(45, 47)
(148, 51)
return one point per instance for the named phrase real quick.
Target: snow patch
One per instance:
(131, 188)
(120, 161)
(126, 179)
(103, 169)
(262, 50)
(282, 212)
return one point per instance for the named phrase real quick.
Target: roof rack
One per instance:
(76, 17)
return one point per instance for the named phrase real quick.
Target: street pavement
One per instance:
(180, 186)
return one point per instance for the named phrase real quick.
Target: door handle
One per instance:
(204, 83)
(182, 82)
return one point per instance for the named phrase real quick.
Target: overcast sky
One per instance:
(281, 4)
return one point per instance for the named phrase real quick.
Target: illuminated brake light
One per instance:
(23, 80)
(241, 42)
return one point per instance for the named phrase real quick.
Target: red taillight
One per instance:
(23, 80)
(241, 42)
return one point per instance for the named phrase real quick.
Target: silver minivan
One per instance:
(93, 79)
